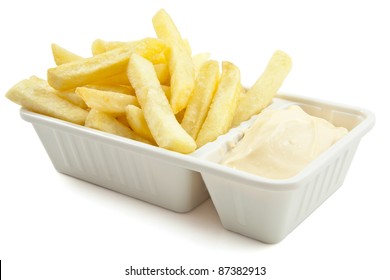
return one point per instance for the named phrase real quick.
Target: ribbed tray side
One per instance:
(122, 170)
(270, 215)
(322, 184)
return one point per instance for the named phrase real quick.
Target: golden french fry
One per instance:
(163, 75)
(182, 78)
(62, 55)
(100, 46)
(158, 114)
(265, 88)
(136, 120)
(113, 103)
(107, 123)
(73, 98)
(37, 96)
(180, 61)
(115, 80)
(198, 60)
(223, 106)
(161, 69)
(70, 96)
(88, 70)
(115, 88)
(199, 103)
(93, 69)
(166, 29)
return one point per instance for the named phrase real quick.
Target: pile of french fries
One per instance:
(152, 90)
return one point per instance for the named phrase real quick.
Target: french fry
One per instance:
(198, 60)
(182, 78)
(70, 96)
(113, 103)
(180, 61)
(91, 70)
(158, 114)
(62, 55)
(37, 96)
(121, 79)
(115, 88)
(265, 88)
(136, 120)
(101, 46)
(199, 103)
(163, 75)
(73, 98)
(166, 29)
(223, 106)
(107, 123)
(115, 80)
(88, 70)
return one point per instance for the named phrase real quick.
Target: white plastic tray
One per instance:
(261, 208)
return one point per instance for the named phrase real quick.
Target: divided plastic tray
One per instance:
(260, 208)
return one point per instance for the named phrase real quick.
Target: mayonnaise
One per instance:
(282, 142)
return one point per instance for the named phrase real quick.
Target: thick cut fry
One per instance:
(100, 46)
(113, 103)
(115, 88)
(198, 60)
(180, 61)
(261, 93)
(182, 78)
(62, 56)
(163, 75)
(223, 106)
(88, 70)
(37, 96)
(70, 96)
(136, 120)
(118, 79)
(161, 69)
(93, 69)
(166, 29)
(158, 114)
(104, 122)
(73, 98)
(199, 103)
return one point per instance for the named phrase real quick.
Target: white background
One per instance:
(55, 227)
